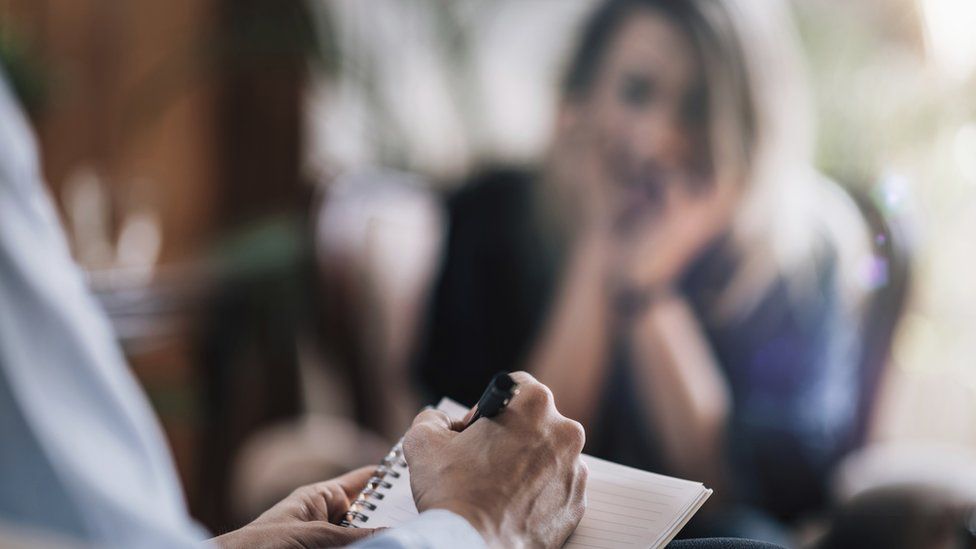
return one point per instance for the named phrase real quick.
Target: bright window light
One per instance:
(949, 30)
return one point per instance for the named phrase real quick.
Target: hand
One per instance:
(306, 518)
(663, 245)
(579, 187)
(517, 477)
(651, 221)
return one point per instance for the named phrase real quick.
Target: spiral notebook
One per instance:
(626, 507)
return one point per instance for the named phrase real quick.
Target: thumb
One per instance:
(353, 482)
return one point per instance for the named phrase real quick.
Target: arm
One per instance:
(571, 357)
(689, 397)
(82, 453)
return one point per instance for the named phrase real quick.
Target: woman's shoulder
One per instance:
(493, 206)
(735, 280)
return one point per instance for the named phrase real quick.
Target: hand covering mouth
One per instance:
(643, 195)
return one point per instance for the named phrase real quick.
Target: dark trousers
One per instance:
(721, 543)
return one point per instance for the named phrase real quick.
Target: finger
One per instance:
(353, 482)
(468, 416)
(322, 501)
(330, 499)
(435, 418)
(574, 434)
(532, 397)
(456, 424)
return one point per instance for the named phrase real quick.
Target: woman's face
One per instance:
(645, 113)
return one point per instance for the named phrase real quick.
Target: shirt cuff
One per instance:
(434, 529)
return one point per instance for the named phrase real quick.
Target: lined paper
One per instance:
(626, 507)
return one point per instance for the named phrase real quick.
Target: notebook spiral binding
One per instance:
(376, 486)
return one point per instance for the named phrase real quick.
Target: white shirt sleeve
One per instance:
(435, 529)
(82, 455)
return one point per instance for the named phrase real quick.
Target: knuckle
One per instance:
(547, 395)
(574, 434)
(537, 395)
(522, 377)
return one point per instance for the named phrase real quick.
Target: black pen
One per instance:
(497, 395)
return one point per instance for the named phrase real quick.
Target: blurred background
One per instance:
(256, 191)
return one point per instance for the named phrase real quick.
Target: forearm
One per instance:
(689, 396)
(571, 356)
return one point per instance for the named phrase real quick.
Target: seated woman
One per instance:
(676, 271)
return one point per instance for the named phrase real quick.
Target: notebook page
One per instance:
(397, 506)
(627, 507)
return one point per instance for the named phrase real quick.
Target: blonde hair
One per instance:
(788, 208)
